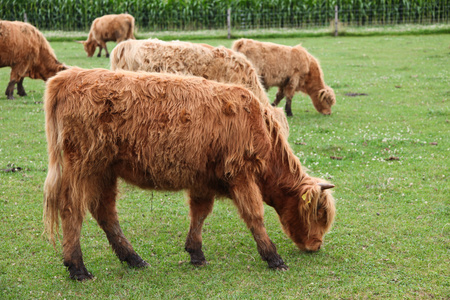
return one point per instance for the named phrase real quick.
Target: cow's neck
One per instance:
(282, 180)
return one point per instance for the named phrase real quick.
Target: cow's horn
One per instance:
(80, 42)
(326, 186)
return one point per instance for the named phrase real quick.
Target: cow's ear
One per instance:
(325, 186)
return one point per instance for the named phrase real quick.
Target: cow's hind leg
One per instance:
(247, 197)
(106, 215)
(200, 207)
(72, 215)
(10, 90)
(278, 97)
(289, 91)
(17, 74)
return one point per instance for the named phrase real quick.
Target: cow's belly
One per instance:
(171, 177)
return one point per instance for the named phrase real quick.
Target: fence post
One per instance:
(335, 20)
(25, 18)
(229, 22)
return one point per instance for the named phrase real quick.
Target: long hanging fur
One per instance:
(171, 132)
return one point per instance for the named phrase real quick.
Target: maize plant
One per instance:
(212, 14)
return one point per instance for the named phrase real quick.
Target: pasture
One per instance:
(386, 147)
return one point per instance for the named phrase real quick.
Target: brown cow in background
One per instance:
(291, 69)
(171, 132)
(108, 28)
(214, 63)
(28, 53)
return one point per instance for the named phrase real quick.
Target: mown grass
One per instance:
(391, 169)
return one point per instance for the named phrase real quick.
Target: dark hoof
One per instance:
(282, 267)
(79, 274)
(82, 277)
(10, 97)
(107, 55)
(135, 261)
(277, 263)
(142, 264)
(199, 263)
(289, 114)
(197, 257)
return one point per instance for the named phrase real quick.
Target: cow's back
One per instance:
(271, 60)
(113, 27)
(158, 130)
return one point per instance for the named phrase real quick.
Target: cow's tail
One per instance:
(131, 28)
(52, 185)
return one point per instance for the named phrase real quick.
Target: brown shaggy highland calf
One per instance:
(291, 69)
(28, 53)
(108, 28)
(219, 64)
(171, 132)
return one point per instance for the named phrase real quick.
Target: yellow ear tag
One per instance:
(304, 197)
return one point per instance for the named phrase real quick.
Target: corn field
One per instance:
(158, 15)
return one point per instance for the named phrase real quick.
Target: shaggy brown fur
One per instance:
(108, 28)
(27, 52)
(171, 132)
(291, 69)
(219, 64)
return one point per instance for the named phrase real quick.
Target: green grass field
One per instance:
(387, 152)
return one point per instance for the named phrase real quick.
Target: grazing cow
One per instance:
(28, 53)
(219, 64)
(108, 28)
(291, 69)
(171, 132)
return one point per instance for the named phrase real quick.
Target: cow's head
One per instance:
(322, 96)
(307, 218)
(324, 100)
(89, 47)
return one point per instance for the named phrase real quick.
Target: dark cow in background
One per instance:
(28, 53)
(291, 69)
(108, 28)
(171, 132)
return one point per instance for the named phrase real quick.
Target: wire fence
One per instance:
(163, 15)
(348, 17)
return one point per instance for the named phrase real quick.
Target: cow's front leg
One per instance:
(248, 199)
(287, 107)
(201, 205)
(289, 91)
(20, 88)
(103, 45)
